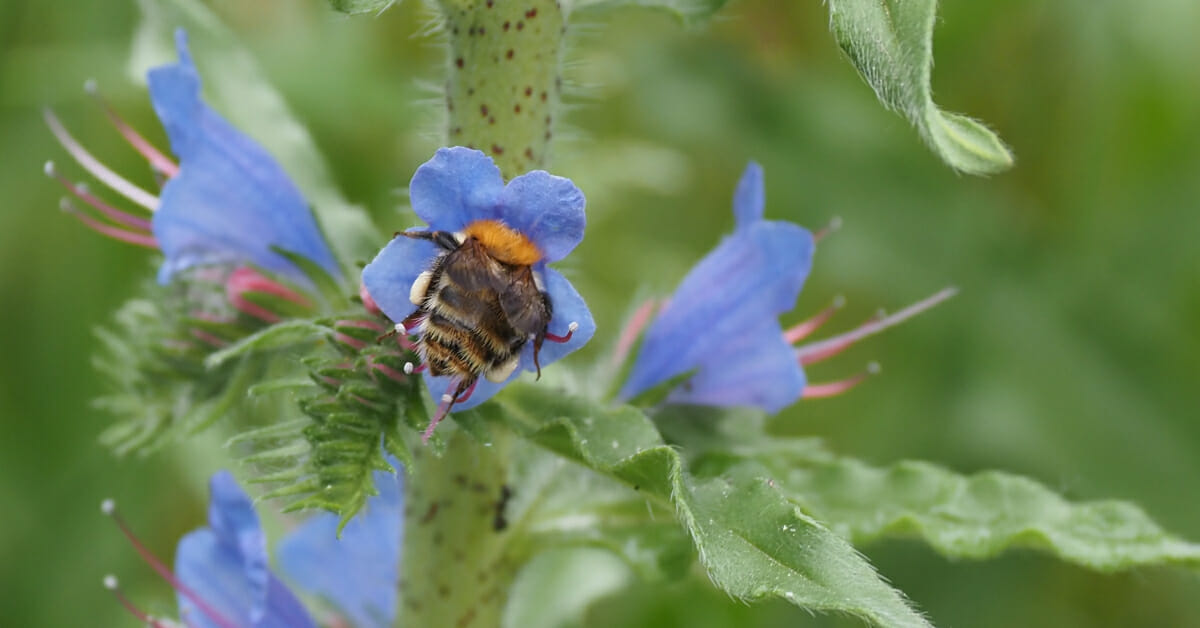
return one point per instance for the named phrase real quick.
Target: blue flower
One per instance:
(357, 571)
(461, 186)
(230, 202)
(226, 202)
(722, 322)
(225, 579)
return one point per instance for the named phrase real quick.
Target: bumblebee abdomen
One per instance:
(465, 333)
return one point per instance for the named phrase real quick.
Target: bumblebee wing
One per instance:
(524, 304)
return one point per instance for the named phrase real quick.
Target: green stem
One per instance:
(456, 571)
(504, 82)
(501, 96)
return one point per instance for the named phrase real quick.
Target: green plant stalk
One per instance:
(502, 93)
(454, 566)
(504, 81)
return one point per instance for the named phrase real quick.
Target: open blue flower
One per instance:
(226, 202)
(224, 566)
(720, 331)
(358, 570)
(461, 186)
(230, 201)
(722, 322)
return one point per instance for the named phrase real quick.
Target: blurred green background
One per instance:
(1071, 354)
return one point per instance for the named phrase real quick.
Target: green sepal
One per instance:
(326, 285)
(285, 334)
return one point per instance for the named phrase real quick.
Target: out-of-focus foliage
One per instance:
(1068, 356)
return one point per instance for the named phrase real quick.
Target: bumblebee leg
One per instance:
(448, 240)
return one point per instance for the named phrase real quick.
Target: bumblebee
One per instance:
(479, 303)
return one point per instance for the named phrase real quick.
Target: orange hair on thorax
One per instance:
(504, 243)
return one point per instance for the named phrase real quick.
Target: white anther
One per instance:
(108, 506)
(64, 204)
(873, 368)
(90, 86)
(110, 582)
(49, 169)
(839, 301)
(835, 223)
(572, 327)
(401, 329)
(446, 398)
(408, 368)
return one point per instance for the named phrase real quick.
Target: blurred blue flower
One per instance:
(224, 566)
(722, 322)
(461, 186)
(230, 202)
(720, 331)
(226, 202)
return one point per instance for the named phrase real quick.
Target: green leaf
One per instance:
(688, 12)
(981, 515)
(752, 540)
(279, 335)
(354, 7)
(890, 42)
(235, 86)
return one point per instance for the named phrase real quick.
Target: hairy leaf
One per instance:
(890, 42)
(981, 515)
(234, 86)
(752, 540)
(279, 335)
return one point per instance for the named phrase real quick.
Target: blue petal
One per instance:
(358, 572)
(756, 369)
(568, 307)
(390, 276)
(749, 197)
(458, 186)
(225, 566)
(547, 209)
(732, 297)
(230, 202)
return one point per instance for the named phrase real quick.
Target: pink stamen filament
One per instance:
(832, 389)
(629, 334)
(561, 339)
(157, 159)
(111, 584)
(113, 180)
(420, 368)
(443, 409)
(802, 330)
(116, 233)
(835, 223)
(111, 212)
(360, 324)
(166, 574)
(817, 351)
